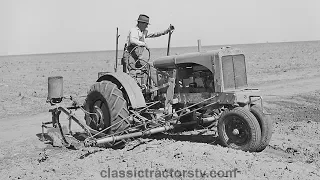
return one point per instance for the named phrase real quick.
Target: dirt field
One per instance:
(288, 75)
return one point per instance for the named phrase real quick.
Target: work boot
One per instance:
(138, 64)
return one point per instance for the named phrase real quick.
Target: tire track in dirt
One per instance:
(290, 87)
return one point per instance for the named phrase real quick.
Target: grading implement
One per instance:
(193, 91)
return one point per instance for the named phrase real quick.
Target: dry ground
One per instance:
(287, 74)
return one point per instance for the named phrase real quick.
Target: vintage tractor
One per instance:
(199, 89)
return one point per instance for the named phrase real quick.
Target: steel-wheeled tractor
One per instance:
(194, 90)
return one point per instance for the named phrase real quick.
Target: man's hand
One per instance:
(170, 29)
(145, 45)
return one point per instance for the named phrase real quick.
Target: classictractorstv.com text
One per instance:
(168, 173)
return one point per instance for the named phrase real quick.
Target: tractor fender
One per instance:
(132, 90)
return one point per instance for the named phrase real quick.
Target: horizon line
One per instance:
(67, 52)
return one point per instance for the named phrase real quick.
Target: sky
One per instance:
(53, 26)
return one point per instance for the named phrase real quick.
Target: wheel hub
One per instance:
(99, 116)
(235, 132)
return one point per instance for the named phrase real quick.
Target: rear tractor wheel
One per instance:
(106, 101)
(239, 129)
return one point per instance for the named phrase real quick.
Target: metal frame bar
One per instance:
(261, 103)
(123, 134)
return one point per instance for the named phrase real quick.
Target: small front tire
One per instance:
(265, 125)
(239, 129)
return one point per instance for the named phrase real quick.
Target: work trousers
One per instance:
(131, 56)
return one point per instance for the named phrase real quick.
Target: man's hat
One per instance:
(143, 18)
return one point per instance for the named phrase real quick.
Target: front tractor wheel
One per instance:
(265, 125)
(108, 107)
(239, 129)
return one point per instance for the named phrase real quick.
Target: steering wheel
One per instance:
(144, 67)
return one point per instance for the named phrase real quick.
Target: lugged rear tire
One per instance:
(109, 99)
(239, 129)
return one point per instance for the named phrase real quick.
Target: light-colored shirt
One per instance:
(137, 37)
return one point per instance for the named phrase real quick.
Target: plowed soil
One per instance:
(287, 74)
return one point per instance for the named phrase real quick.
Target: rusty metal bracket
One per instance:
(71, 116)
(54, 121)
(62, 134)
(261, 103)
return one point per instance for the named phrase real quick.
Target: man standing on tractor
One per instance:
(137, 36)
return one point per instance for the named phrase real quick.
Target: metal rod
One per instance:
(62, 134)
(149, 106)
(76, 120)
(168, 49)
(117, 41)
(70, 132)
(112, 138)
(162, 117)
(86, 128)
(138, 134)
(199, 45)
(194, 110)
(190, 106)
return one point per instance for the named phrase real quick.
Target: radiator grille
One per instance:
(234, 72)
